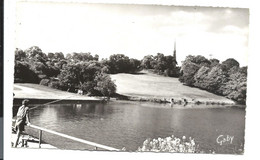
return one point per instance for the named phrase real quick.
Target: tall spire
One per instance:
(174, 52)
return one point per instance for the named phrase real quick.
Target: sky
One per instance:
(133, 30)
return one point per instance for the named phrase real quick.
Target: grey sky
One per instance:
(133, 30)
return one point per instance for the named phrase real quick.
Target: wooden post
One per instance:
(40, 138)
(96, 148)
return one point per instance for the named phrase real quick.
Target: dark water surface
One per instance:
(128, 124)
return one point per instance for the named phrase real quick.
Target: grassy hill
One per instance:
(148, 85)
(143, 85)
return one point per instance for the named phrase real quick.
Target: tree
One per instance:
(236, 87)
(119, 63)
(36, 53)
(188, 70)
(199, 60)
(214, 62)
(146, 62)
(96, 57)
(105, 85)
(160, 64)
(225, 79)
(69, 76)
(80, 75)
(59, 55)
(230, 63)
(68, 56)
(84, 57)
(20, 55)
(134, 65)
(171, 67)
(51, 56)
(23, 73)
(212, 79)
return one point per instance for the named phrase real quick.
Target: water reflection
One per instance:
(128, 124)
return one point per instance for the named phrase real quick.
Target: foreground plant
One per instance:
(170, 144)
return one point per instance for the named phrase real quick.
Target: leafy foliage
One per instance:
(84, 71)
(230, 63)
(76, 71)
(105, 85)
(224, 79)
(24, 74)
(87, 76)
(160, 64)
(84, 57)
(119, 63)
(19, 54)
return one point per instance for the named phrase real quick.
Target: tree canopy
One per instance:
(161, 64)
(224, 78)
(86, 72)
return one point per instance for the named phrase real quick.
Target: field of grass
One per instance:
(148, 85)
(144, 85)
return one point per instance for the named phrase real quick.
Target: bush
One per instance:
(170, 144)
(105, 85)
(188, 69)
(162, 65)
(225, 79)
(23, 73)
(54, 84)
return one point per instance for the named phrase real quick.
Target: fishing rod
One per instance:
(51, 102)
(47, 103)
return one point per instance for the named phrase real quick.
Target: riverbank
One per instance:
(35, 92)
(133, 87)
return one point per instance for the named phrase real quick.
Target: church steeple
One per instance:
(174, 52)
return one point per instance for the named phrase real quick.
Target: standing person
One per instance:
(22, 119)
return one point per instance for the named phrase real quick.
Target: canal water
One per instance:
(128, 124)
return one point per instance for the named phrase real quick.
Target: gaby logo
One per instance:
(222, 139)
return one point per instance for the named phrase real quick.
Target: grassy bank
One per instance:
(137, 87)
(151, 87)
(35, 91)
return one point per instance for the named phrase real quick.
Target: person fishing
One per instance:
(22, 119)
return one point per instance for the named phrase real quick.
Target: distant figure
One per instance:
(22, 119)
(185, 101)
(80, 92)
(172, 101)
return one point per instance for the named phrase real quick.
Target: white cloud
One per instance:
(83, 28)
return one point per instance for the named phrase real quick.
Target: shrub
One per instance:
(23, 73)
(105, 85)
(170, 144)
(54, 84)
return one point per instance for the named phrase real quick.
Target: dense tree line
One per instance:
(161, 64)
(226, 78)
(86, 72)
(119, 63)
(73, 72)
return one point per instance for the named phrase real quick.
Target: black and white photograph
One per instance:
(142, 78)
